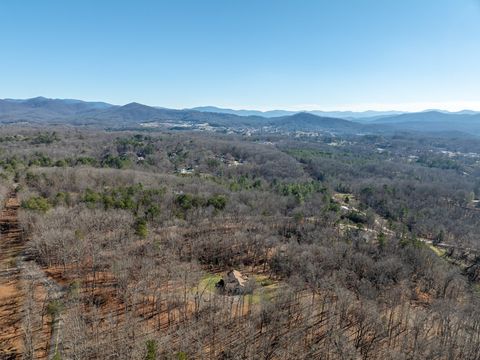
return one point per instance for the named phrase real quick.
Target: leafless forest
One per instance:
(355, 247)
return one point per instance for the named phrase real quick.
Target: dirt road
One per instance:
(11, 245)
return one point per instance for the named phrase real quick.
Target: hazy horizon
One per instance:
(456, 107)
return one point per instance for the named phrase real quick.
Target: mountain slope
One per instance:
(425, 116)
(433, 121)
(135, 113)
(310, 122)
(43, 109)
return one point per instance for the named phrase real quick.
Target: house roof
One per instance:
(242, 280)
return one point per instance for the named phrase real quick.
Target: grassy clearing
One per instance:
(439, 251)
(208, 282)
(264, 289)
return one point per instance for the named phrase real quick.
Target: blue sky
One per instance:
(257, 54)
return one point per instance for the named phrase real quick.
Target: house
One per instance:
(232, 283)
(186, 171)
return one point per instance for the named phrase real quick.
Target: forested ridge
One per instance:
(354, 246)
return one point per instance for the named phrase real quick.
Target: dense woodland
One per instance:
(356, 247)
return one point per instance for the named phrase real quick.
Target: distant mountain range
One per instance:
(135, 115)
(433, 121)
(349, 115)
(43, 110)
(367, 116)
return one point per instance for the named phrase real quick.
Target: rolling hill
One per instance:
(309, 122)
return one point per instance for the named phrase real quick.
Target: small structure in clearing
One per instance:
(186, 171)
(232, 283)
